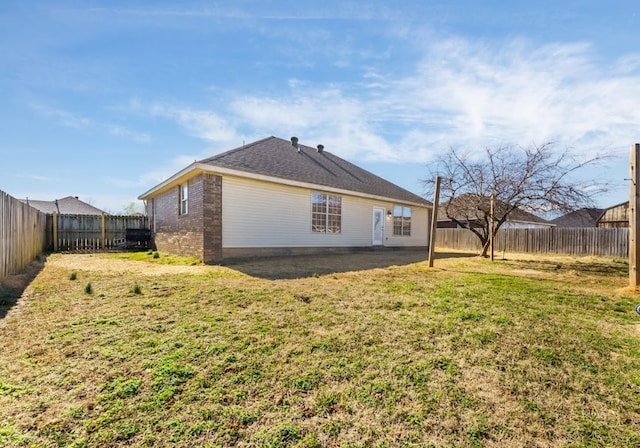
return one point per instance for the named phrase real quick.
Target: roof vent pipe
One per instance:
(320, 148)
(294, 142)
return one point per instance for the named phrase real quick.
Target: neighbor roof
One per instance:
(278, 158)
(69, 205)
(584, 217)
(465, 207)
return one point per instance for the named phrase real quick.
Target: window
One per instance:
(401, 220)
(184, 199)
(326, 213)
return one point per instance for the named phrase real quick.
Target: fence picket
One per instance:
(608, 242)
(22, 234)
(25, 233)
(92, 233)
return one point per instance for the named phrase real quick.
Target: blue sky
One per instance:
(104, 99)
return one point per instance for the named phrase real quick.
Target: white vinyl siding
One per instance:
(419, 230)
(264, 214)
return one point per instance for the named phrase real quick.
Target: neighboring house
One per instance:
(70, 205)
(279, 197)
(584, 217)
(465, 209)
(615, 216)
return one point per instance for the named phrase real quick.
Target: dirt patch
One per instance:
(269, 268)
(103, 263)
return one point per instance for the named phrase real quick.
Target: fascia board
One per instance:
(176, 179)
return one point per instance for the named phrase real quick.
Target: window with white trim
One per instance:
(401, 220)
(183, 192)
(326, 213)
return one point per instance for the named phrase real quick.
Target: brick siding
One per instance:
(212, 218)
(199, 232)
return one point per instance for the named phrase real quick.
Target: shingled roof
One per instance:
(69, 205)
(584, 217)
(289, 160)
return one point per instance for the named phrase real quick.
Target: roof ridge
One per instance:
(231, 151)
(280, 158)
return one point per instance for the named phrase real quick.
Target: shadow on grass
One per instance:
(302, 266)
(12, 287)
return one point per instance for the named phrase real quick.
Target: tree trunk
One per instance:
(485, 248)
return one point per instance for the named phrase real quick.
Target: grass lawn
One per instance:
(369, 350)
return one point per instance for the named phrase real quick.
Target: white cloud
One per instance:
(62, 117)
(200, 123)
(519, 94)
(462, 93)
(74, 120)
(316, 115)
(139, 137)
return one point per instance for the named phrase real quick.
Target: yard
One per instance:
(367, 350)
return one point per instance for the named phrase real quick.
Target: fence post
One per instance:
(634, 222)
(103, 233)
(55, 232)
(434, 221)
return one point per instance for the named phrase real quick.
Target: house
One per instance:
(584, 217)
(70, 205)
(279, 197)
(467, 208)
(615, 216)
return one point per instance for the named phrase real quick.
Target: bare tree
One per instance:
(133, 208)
(531, 179)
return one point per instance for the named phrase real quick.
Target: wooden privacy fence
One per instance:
(611, 242)
(92, 233)
(23, 234)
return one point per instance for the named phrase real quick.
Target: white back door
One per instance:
(378, 226)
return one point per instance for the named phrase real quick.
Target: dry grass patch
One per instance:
(361, 350)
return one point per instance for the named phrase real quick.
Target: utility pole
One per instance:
(434, 221)
(634, 222)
